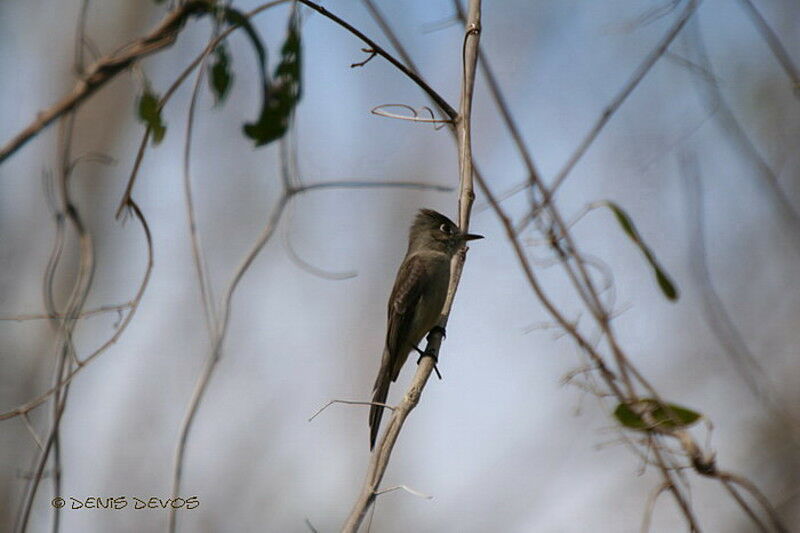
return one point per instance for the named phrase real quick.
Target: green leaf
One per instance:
(665, 416)
(666, 284)
(220, 76)
(235, 17)
(150, 114)
(282, 93)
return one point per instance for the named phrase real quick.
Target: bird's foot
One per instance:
(433, 356)
(438, 329)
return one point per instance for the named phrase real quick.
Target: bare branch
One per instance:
(407, 489)
(105, 69)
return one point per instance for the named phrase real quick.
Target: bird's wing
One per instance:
(408, 288)
(413, 277)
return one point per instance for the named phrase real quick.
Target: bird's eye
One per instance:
(446, 229)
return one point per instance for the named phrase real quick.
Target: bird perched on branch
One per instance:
(415, 305)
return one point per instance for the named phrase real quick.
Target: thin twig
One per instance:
(348, 402)
(55, 315)
(407, 489)
(32, 431)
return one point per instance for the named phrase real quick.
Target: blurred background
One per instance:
(500, 443)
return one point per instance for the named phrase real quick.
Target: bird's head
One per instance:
(435, 232)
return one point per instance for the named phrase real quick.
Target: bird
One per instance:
(417, 298)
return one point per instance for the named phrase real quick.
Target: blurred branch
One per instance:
(774, 43)
(740, 142)
(680, 497)
(32, 431)
(720, 322)
(34, 403)
(744, 505)
(105, 69)
(290, 177)
(80, 290)
(731, 479)
(55, 315)
(650, 507)
(383, 450)
(613, 106)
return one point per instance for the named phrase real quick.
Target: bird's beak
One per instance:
(472, 236)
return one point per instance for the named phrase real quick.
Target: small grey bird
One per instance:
(417, 298)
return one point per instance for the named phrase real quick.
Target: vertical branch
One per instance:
(383, 450)
(197, 251)
(463, 124)
(205, 290)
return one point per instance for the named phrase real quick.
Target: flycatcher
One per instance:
(417, 298)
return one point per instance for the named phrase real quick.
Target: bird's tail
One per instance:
(379, 393)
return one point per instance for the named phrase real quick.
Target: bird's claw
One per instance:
(433, 356)
(438, 329)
